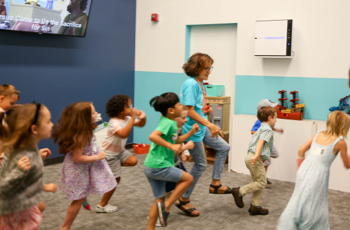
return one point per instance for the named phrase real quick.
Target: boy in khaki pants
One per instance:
(259, 150)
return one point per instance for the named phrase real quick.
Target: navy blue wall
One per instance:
(58, 71)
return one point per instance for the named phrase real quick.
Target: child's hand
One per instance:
(253, 160)
(101, 155)
(195, 128)
(141, 115)
(189, 145)
(134, 112)
(183, 157)
(176, 148)
(45, 153)
(281, 130)
(24, 163)
(50, 188)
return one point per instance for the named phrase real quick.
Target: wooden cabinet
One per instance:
(211, 153)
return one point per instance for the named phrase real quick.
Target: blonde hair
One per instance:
(338, 124)
(8, 90)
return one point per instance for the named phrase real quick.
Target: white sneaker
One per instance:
(157, 223)
(107, 208)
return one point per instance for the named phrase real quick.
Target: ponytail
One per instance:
(163, 102)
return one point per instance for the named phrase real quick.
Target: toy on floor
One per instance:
(343, 105)
(297, 110)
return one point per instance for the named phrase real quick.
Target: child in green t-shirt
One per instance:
(159, 163)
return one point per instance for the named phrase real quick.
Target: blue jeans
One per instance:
(200, 161)
(158, 177)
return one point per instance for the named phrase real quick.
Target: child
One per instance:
(22, 171)
(123, 119)
(170, 186)
(159, 163)
(308, 206)
(259, 150)
(84, 169)
(274, 152)
(8, 97)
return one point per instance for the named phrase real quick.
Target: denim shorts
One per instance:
(158, 177)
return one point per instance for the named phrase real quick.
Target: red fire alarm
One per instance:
(155, 18)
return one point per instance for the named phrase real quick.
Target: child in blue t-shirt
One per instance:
(274, 152)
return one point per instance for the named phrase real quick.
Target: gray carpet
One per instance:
(134, 199)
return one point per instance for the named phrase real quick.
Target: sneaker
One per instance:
(257, 210)
(86, 205)
(163, 215)
(157, 223)
(107, 208)
(238, 198)
(268, 183)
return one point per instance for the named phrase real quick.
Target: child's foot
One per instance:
(238, 198)
(257, 210)
(86, 205)
(157, 223)
(163, 215)
(268, 183)
(107, 208)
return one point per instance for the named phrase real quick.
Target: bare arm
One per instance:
(181, 139)
(215, 131)
(252, 132)
(156, 137)
(142, 119)
(124, 133)
(305, 147)
(344, 153)
(258, 149)
(78, 156)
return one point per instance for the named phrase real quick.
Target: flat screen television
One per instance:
(61, 17)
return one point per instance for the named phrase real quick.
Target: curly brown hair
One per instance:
(8, 90)
(15, 127)
(75, 127)
(116, 105)
(197, 63)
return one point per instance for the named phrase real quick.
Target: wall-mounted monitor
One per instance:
(61, 17)
(273, 38)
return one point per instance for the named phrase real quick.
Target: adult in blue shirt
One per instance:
(193, 95)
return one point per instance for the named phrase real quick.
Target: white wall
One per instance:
(220, 42)
(320, 38)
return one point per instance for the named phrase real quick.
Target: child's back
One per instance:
(311, 188)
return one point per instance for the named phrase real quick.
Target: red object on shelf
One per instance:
(141, 150)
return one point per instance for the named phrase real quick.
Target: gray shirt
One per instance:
(264, 133)
(20, 189)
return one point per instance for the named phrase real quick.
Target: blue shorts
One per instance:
(158, 177)
(170, 186)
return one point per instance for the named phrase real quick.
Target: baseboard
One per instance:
(58, 160)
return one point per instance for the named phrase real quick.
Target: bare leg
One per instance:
(72, 212)
(180, 188)
(153, 214)
(266, 168)
(131, 161)
(107, 196)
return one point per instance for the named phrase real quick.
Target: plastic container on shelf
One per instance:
(214, 90)
(141, 149)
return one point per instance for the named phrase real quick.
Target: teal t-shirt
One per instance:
(191, 94)
(159, 156)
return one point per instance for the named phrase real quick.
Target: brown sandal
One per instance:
(189, 212)
(216, 190)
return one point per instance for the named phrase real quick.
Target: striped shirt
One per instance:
(114, 144)
(264, 133)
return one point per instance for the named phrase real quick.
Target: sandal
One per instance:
(216, 190)
(189, 212)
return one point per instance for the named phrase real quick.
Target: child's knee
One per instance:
(41, 207)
